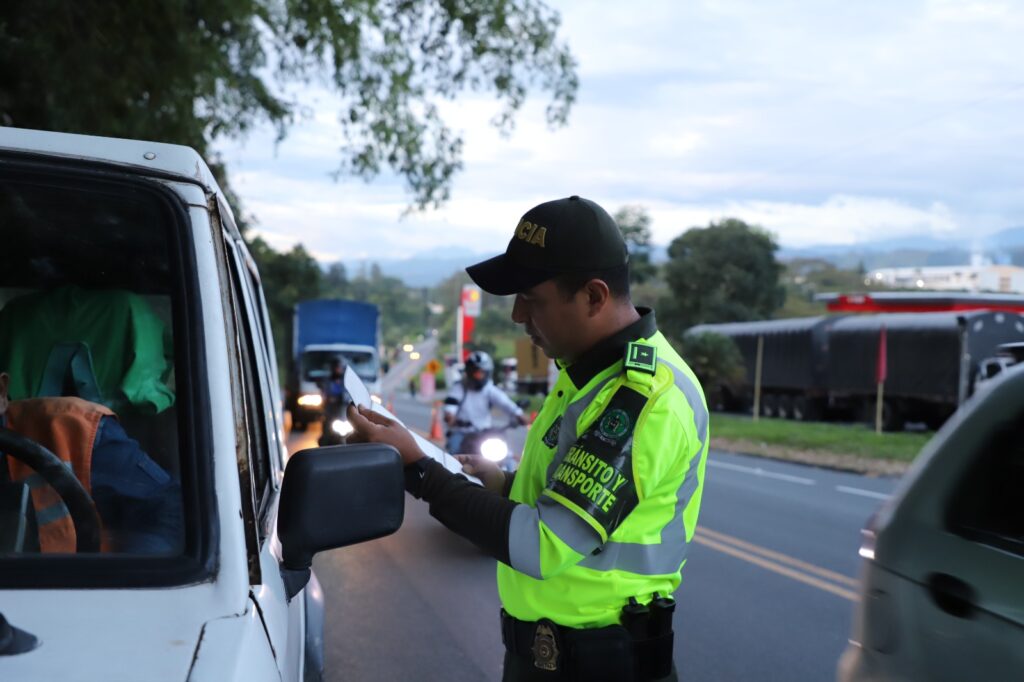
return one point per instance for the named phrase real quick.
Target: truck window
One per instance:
(94, 313)
(988, 506)
(316, 365)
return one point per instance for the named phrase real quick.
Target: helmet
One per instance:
(479, 361)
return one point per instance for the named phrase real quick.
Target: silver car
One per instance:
(942, 596)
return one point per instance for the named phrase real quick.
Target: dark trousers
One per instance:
(519, 669)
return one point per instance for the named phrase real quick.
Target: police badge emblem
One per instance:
(545, 648)
(614, 424)
(551, 436)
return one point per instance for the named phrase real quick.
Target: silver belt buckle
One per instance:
(545, 647)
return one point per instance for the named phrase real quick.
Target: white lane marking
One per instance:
(758, 471)
(862, 493)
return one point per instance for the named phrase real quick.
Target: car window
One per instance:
(250, 355)
(91, 329)
(988, 506)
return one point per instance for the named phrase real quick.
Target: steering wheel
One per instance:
(80, 505)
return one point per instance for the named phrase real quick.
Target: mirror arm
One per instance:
(294, 580)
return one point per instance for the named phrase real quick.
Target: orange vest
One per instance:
(66, 427)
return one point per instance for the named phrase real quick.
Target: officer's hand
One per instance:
(371, 427)
(487, 471)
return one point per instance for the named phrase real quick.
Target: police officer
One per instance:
(593, 529)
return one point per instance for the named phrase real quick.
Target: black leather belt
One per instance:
(591, 654)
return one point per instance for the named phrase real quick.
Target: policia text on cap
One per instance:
(592, 531)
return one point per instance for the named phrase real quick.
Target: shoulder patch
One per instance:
(641, 357)
(596, 476)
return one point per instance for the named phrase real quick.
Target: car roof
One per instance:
(154, 158)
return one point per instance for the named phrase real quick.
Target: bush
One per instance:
(717, 362)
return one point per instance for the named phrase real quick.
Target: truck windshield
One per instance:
(88, 300)
(317, 364)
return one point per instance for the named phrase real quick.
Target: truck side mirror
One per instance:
(333, 497)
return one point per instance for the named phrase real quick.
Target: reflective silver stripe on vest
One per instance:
(567, 436)
(524, 533)
(667, 556)
(524, 529)
(54, 512)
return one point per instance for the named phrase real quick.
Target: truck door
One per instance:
(284, 621)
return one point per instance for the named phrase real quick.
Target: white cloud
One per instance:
(828, 122)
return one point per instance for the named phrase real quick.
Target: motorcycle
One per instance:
(492, 443)
(334, 424)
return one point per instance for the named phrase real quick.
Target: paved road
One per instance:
(767, 593)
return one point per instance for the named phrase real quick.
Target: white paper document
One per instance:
(361, 396)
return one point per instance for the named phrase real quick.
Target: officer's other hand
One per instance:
(487, 471)
(371, 427)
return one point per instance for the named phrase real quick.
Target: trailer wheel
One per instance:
(784, 407)
(769, 405)
(893, 418)
(806, 409)
(800, 408)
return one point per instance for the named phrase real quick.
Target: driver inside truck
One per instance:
(139, 504)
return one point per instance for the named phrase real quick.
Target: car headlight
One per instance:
(311, 400)
(341, 427)
(377, 399)
(494, 449)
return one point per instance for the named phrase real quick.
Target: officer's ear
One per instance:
(598, 295)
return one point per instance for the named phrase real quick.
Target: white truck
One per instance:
(173, 540)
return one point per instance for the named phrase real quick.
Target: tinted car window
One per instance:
(988, 507)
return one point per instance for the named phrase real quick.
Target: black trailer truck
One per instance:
(818, 366)
(793, 365)
(932, 361)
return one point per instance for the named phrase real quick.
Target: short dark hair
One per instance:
(616, 278)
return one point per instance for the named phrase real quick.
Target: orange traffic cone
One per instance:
(391, 406)
(435, 425)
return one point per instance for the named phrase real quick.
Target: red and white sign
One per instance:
(471, 297)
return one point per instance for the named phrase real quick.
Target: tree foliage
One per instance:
(191, 72)
(635, 224)
(721, 273)
(716, 360)
(296, 276)
(714, 357)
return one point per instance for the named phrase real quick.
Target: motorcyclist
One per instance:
(467, 409)
(335, 400)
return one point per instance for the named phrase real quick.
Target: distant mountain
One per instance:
(428, 268)
(425, 269)
(1005, 246)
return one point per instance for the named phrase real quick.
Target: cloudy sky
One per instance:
(828, 122)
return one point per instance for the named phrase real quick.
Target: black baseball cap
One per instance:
(551, 239)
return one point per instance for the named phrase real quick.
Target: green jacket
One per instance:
(124, 339)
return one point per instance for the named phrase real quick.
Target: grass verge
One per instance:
(845, 446)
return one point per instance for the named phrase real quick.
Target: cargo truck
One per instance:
(322, 331)
(829, 366)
